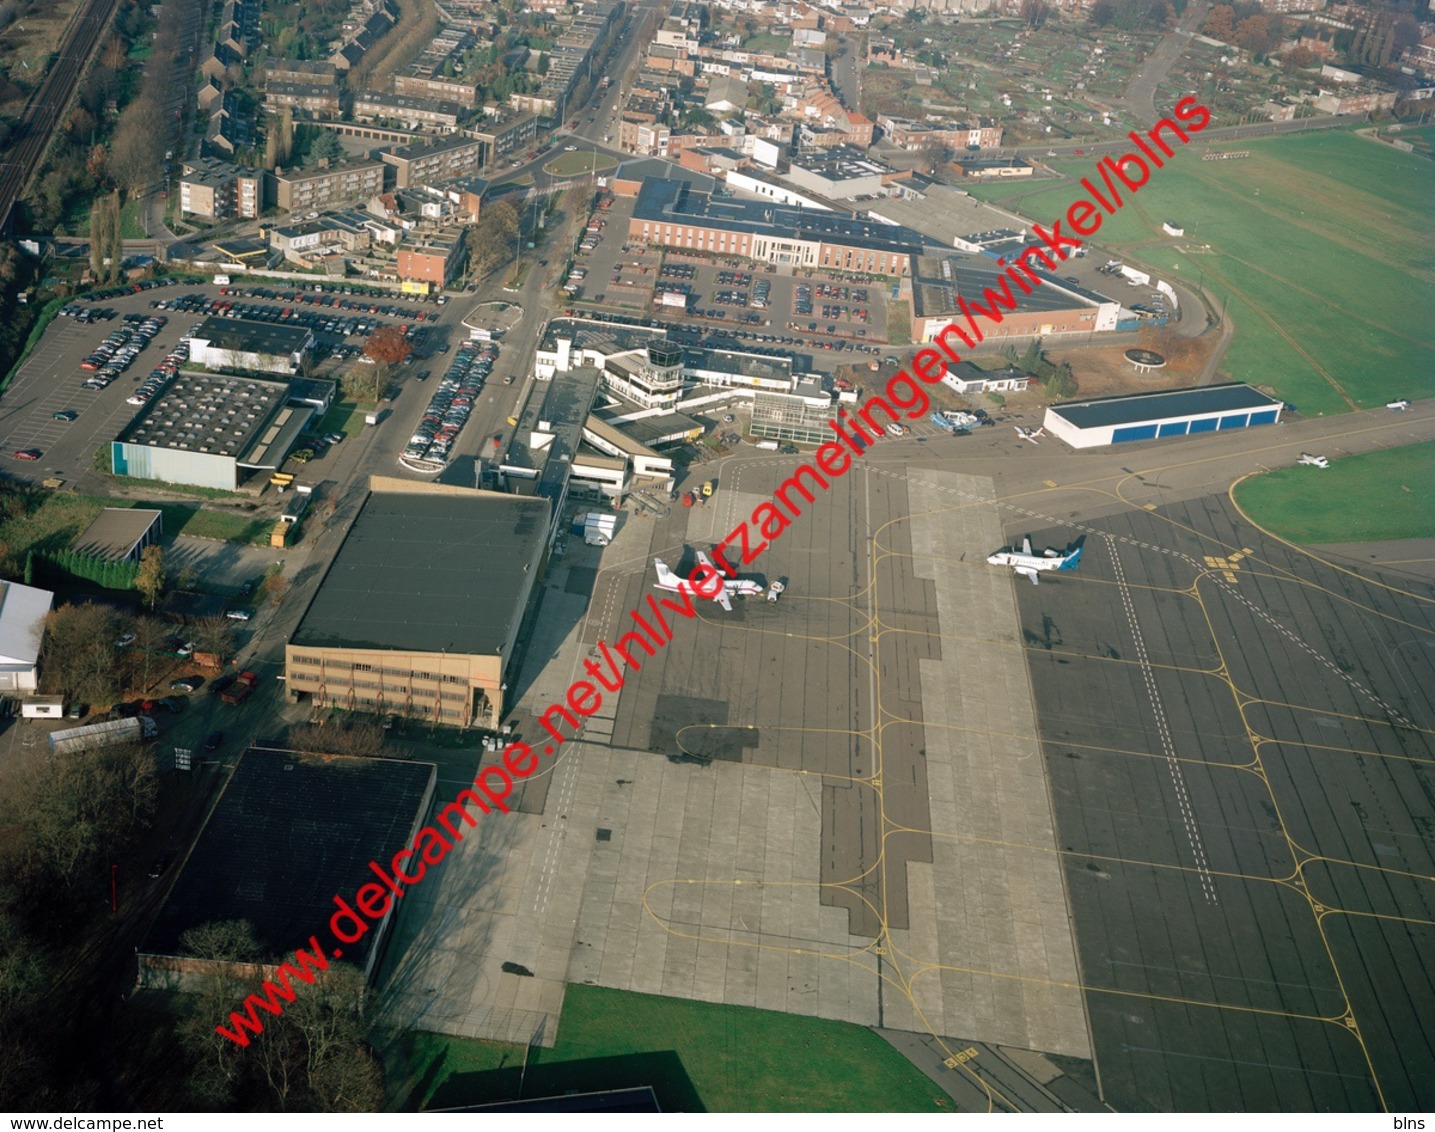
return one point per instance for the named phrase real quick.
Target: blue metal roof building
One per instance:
(1154, 416)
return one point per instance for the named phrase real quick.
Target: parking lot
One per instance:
(733, 303)
(49, 411)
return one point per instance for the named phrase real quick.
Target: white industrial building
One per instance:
(22, 625)
(1154, 416)
(208, 429)
(237, 344)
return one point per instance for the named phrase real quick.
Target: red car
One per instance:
(28, 454)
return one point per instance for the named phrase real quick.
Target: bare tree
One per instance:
(357, 736)
(213, 635)
(150, 636)
(78, 658)
(137, 148)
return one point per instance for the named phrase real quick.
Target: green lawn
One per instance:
(697, 1056)
(345, 417)
(1380, 495)
(131, 221)
(62, 516)
(1320, 246)
(899, 322)
(572, 164)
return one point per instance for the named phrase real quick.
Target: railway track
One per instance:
(42, 115)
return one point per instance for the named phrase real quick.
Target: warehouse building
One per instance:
(22, 627)
(238, 344)
(334, 813)
(1153, 416)
(207, 429)
(419, 612)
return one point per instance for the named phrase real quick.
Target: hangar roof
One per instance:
(1138, 408)
(441, 572)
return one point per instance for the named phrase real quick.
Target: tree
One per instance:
(1034, 12)
(78, 655)
(88, 805)
(325, 147)
(1253, 34)
(1298, 58)
(224, 945)
(150, 636)
(150, 579)
(137, 147)
(388, 346)
(936, 153)
(358, 736)
(276, 587)
(214, 635)
(491, 241)
(1221, 23)
(1102, 13)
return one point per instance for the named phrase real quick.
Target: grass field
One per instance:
(62, 516)
(1320, 246)
(572, 164)
(697, 1056)
(345, 417)
(1380, 495)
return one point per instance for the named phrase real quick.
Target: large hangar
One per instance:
(1155, 416)
(420, 610)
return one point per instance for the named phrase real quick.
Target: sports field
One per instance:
(697, 1056)
(1320, 248)
(1379, 495)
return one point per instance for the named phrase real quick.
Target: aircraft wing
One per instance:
(723, 600)
(1026, 545)
(1028, 572)
(704, 560)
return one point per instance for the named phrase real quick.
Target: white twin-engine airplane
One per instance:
(1031, 434)
(739, 587)
(1028, 563)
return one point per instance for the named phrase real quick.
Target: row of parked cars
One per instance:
(114, 355)
(160, 375)
(128, 289)
(88, 314)
(452, 403)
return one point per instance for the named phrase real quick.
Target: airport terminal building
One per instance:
(1155, 416)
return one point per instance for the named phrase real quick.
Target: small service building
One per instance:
(1154, 416)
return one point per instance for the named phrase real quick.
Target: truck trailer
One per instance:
(106, 734)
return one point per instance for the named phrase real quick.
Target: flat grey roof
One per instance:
(248, 337)
(1138, 408)
(428, 573)
(216, 414)
(115, 531)
(335, 814)
(674, 202)
(936, 288)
